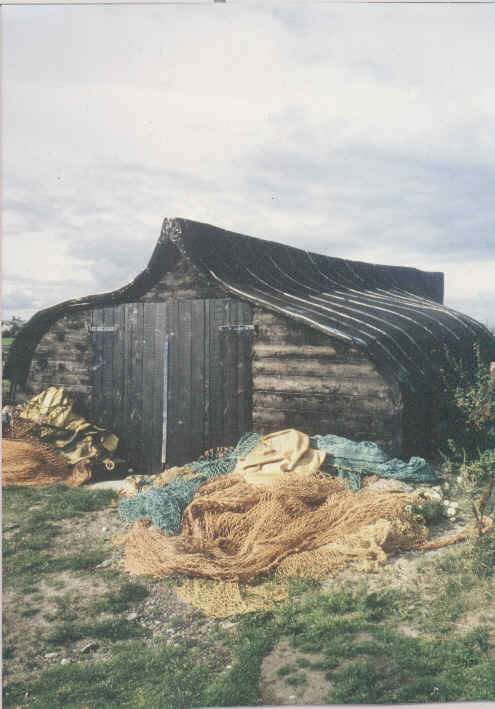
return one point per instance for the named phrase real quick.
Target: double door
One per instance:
(172, 380)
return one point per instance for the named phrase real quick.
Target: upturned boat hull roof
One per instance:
(393, 313)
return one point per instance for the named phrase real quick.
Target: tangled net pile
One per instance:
(235, 531)
(165, 505)
(48, 442)
(355, 459)
(32, 464)
(267, 505)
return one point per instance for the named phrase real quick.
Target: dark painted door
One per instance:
(172, 379)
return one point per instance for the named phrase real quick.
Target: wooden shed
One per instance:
(224, 333)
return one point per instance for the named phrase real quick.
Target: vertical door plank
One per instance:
(244, 385)
(230, 339)
(173, 442)
(184, 370)
(149, 314)
(196, 437)
(125, 381)
(131, 382)
(107, 367)
(98, 365)
(92, 371)
(118, 368)
(216, 392)
(139, 384)
(159, 391)
(206, 370)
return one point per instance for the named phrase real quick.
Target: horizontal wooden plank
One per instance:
(313, 404)
(314, 385)
(314, 367)
(283, 351)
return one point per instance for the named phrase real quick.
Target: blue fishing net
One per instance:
(353, 460)
(164, 506)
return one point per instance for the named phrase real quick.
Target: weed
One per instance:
(166, 677)
(25, 554)
(302, 662)
(30, 612)
(432, 511)
(285, 670)
(114, 629)
(120, 600)
(297, 680)
(468, 401)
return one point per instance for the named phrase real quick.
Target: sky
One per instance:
(363, 131)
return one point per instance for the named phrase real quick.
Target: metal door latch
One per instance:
(238, 328)
(103, 328)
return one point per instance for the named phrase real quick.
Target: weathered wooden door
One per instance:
(172, 379)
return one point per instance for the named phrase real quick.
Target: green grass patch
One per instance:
(114, 629)
(26, 550)
(417, 670)
(285, 670)
(297, 680)
(257, 635)
(118, 601)
(166, 677)
(365, 657)
(51, 503)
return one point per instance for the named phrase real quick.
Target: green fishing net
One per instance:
(353, 460)
(164, 506)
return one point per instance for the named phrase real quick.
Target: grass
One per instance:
(372, 646)
(26, 552)
(389, 667)
(166, 677)
(118, 601)
(114, 629)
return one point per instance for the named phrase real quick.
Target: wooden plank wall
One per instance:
(63, 358)
(302, 379)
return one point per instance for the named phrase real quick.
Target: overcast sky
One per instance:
(359, 131)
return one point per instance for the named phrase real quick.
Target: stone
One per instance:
(132, 616)
(105, 564)
(89, 647)
(227, 625)
(65, 661)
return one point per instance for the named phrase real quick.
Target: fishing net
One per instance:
(223, 599)
(365, 549)
(263, 460)
(234, 531)
(51, 417)
(32, 464)
(354, 460)
(164, 506)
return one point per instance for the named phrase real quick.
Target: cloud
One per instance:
(365, 132)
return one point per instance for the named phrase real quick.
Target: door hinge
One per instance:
(103, 328)
(238, 328)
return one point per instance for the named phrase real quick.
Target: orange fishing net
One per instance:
(29, 463)
(235, 531)
(222, 599)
